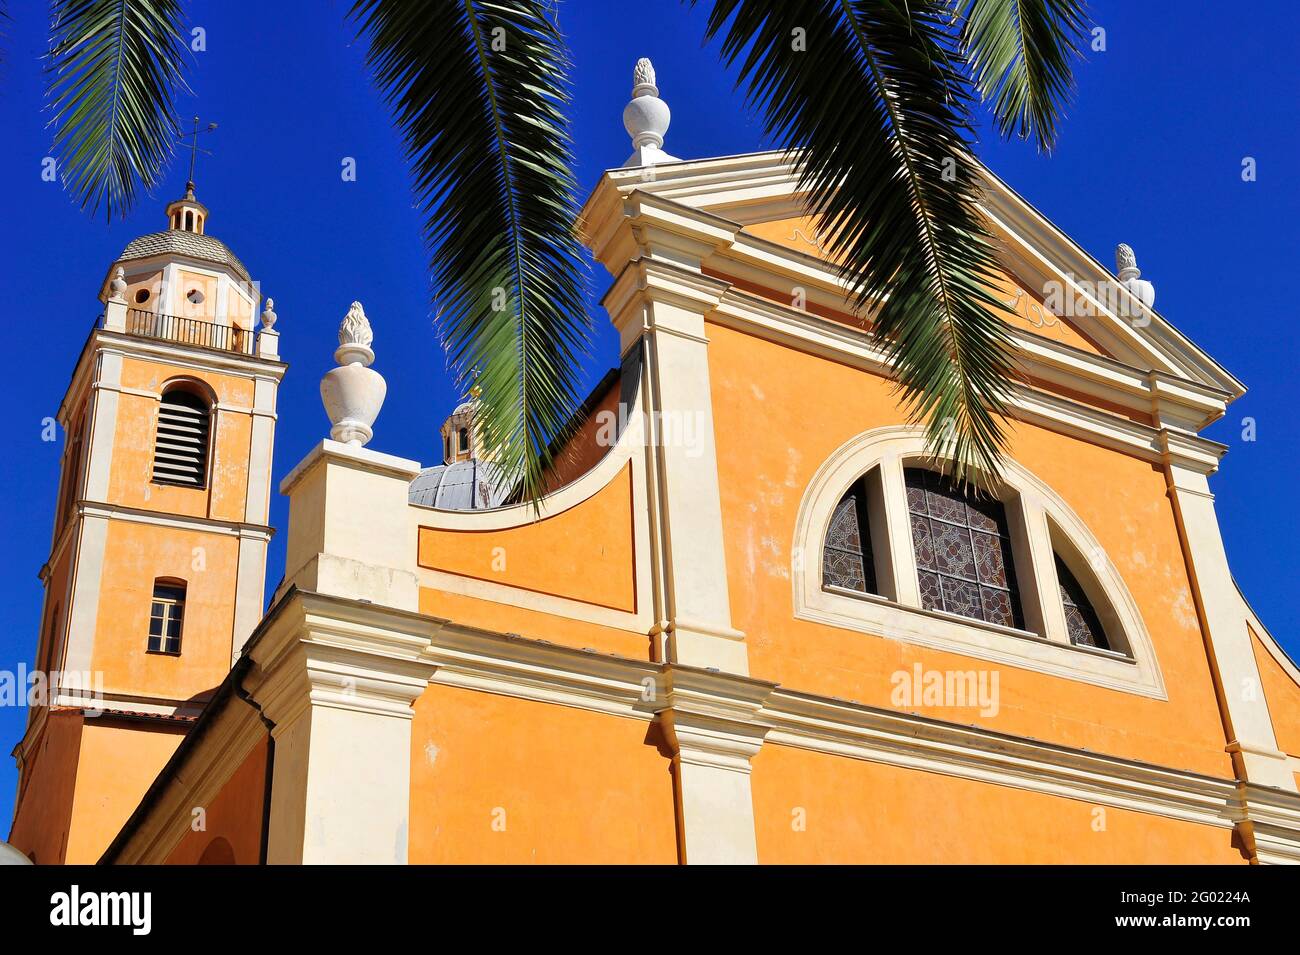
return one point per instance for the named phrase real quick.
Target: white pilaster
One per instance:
(337, 678)
(1252, 742)
(710, 721)
(660, 306)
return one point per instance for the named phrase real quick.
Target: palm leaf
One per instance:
(114, 69)
(878, 107)
(1020, 53)
(477, 90)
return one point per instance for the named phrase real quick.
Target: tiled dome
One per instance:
(464, 486)
(179, 242)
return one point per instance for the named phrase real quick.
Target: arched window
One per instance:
(181, 447)
(963, 551)
(462, 436)
(847, 561)
(1010, 575)
(167, 616)
(1081, 620)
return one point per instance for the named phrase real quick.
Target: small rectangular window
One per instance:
(166, 618)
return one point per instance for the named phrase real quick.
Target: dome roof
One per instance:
(463, 486)
(194, 245)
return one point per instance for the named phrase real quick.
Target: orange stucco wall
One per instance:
(118, 761)
(808, 407)
(234, 815)
(536, 624)
(584, 553)
(814, 808)
(43, 809)
(134, 556)
(1283, 698)
(501, 780)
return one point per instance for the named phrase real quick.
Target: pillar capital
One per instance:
(711, 722)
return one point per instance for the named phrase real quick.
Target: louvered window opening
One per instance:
(181, 450)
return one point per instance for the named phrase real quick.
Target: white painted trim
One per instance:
(889, 447)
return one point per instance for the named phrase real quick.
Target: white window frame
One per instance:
(1041, 525)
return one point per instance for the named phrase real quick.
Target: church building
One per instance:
(751, 622)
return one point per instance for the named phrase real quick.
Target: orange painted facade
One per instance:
(634, 671)
(524, 799)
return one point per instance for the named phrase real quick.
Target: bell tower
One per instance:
(156, 572)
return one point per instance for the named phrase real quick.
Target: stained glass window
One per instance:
(846, 559)
(963, 551)
(166, 617)
(1081, 621)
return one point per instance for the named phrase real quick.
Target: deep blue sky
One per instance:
(1150, 155)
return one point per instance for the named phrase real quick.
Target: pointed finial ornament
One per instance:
(1130, 276)
(268, 314)
(354, 392)
(118, 285)
(646, 118)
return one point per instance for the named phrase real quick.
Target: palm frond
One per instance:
(477, 90)
(1020, 53)
(114, 69)
(878, 106)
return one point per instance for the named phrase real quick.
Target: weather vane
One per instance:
(195, 149)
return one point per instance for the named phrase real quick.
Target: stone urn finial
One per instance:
(354, 392)
(646, 118)
(118, 286)
(1130, 276)
(268, 314)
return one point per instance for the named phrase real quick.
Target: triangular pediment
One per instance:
(757, 195)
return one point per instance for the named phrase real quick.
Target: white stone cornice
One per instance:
(647, 218)
(138, 515)
(766, 185)
(650, 279)
(325, 651)
(712, 719)
(511, 665)
(173, 353)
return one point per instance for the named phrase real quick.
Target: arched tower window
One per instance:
(462, 438)
(181, 448)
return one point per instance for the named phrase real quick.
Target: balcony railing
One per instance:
(188, 331)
